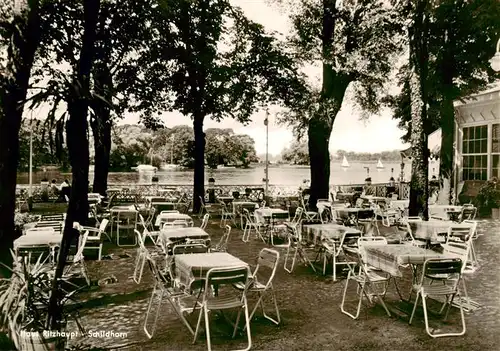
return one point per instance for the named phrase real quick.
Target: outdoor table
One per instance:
(264, 215)
(316, 233)
(190, 268)
(346, 212)
(429, 230)
(153, 200)
(238, 205)
(39, 239)
(164, 206)
(374, 199)
(175, 235)
(401, 204)
(225, 199)
(117, 209)
(170, 217)
(94, 198)
(345, 196)
(389, 258)
(445, 211)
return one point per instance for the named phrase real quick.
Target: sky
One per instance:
(379, 133)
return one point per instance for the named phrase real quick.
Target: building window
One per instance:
(495, 150)
(475, 153)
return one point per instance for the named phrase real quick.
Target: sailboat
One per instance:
(380, 166)
(345, 164)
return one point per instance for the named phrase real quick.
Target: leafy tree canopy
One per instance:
(206, 58)
(463, 36)
(357, 46)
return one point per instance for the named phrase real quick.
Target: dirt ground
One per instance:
(309, 305)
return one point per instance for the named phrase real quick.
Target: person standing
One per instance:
(368, 188)
(65, 189)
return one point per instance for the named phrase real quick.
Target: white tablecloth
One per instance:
(264, 214)
(170, 217)
(443, 210)
(176, 234)
(238, 205)
(401, 204)
(38, 238)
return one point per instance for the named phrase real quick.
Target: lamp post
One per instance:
(266, 123)
(30, 190)
(367, 171)
(495, 60)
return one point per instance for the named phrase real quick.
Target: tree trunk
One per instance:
(78, 148)
(13, 90)
(318, 132)
(446, 153)
(320, 125)
(419, 189)
(101, 129)
(447, 71)
(199, 162)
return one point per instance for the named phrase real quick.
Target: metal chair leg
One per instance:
(150, 334)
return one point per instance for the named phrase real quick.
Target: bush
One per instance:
(488, 197)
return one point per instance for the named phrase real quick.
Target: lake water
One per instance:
(280, 175)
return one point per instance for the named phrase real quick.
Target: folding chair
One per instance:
(78, 258)
(204, 222)
(203, 207)
(219, 277)
(94, 238)
(338, 249)
(373, 241)
(226, 214)
(163, 289)
(242, 209)
(389, 216)
(140, 258)
(295, 243)
(251, 224)
(126, 221)
(152, 234)
(410, 239)
(450, 267)
(465, 235)
(370, 284)
(468, 213)
(277, 225)
(309, 215)
(297, 216)
(261, 282)
(369, 221)
(148, 222)
(325, 214)
(221, 246)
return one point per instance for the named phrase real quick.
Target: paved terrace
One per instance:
(309, 304)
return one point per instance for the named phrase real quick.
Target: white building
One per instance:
(477, 136)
